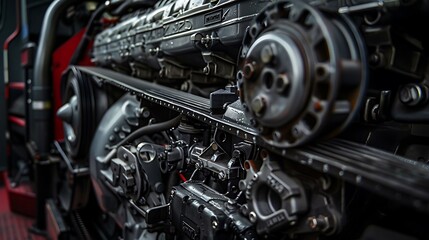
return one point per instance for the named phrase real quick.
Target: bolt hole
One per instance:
(280, 84)
(247, 70)
(253, 31)
(372, 18)
(163, 166)
(269, 201)
(268, 79)
(246, 165)
(239, 75)
(321, 72)
(264, 154)
(222, 137)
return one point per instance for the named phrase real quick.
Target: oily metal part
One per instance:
(378, 171)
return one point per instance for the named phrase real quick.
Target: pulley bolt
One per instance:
(244, 209)
(258, 106)
(215, 224)
(277, 135)
(222, 175)
(144, 112)
(248, 70)
(236, 154)
(185, 86)
(71, 138)
(162, 72)
(242, 185)
(268, 53)
(206, 70)
(411, 94)
(159, 187)
(255, 177)
(252, 217)
(253, 122)
(320, 222)
(296, 132)
(282, 83)
(375, 59)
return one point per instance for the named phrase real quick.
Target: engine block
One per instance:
(179, 40)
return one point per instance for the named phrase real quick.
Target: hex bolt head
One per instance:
(222, 175)
(71, 138)
(296, 132)
(375, 59)
(320, 222)
(268, 53)
(236, 154)
(253, 217)
(282, 83)
(312, 222)
(215, 224)
(255, 177)
(277, 135)
(159, 187)
(258, 106)
(206, 70)
(411, 94)
(244, 209)
(162, 72)
(248, 70)
(253, 122)
(242, 185)
(200, 208)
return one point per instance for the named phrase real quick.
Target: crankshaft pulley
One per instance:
(78, 113)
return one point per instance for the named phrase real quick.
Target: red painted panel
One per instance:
(17, 85)
(18, 121)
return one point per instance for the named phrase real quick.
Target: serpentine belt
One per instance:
(384, 173)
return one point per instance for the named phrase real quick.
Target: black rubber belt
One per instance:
(398, 178)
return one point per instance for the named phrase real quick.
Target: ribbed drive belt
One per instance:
(384, 173)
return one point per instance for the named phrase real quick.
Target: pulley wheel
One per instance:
(303, 73)
(78, 113)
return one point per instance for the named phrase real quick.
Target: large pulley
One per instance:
(78, 113)
(83, 106)
(303, 73)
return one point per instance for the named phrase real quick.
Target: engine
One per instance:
(250, 119)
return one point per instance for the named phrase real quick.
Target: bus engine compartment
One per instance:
(231, 119)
